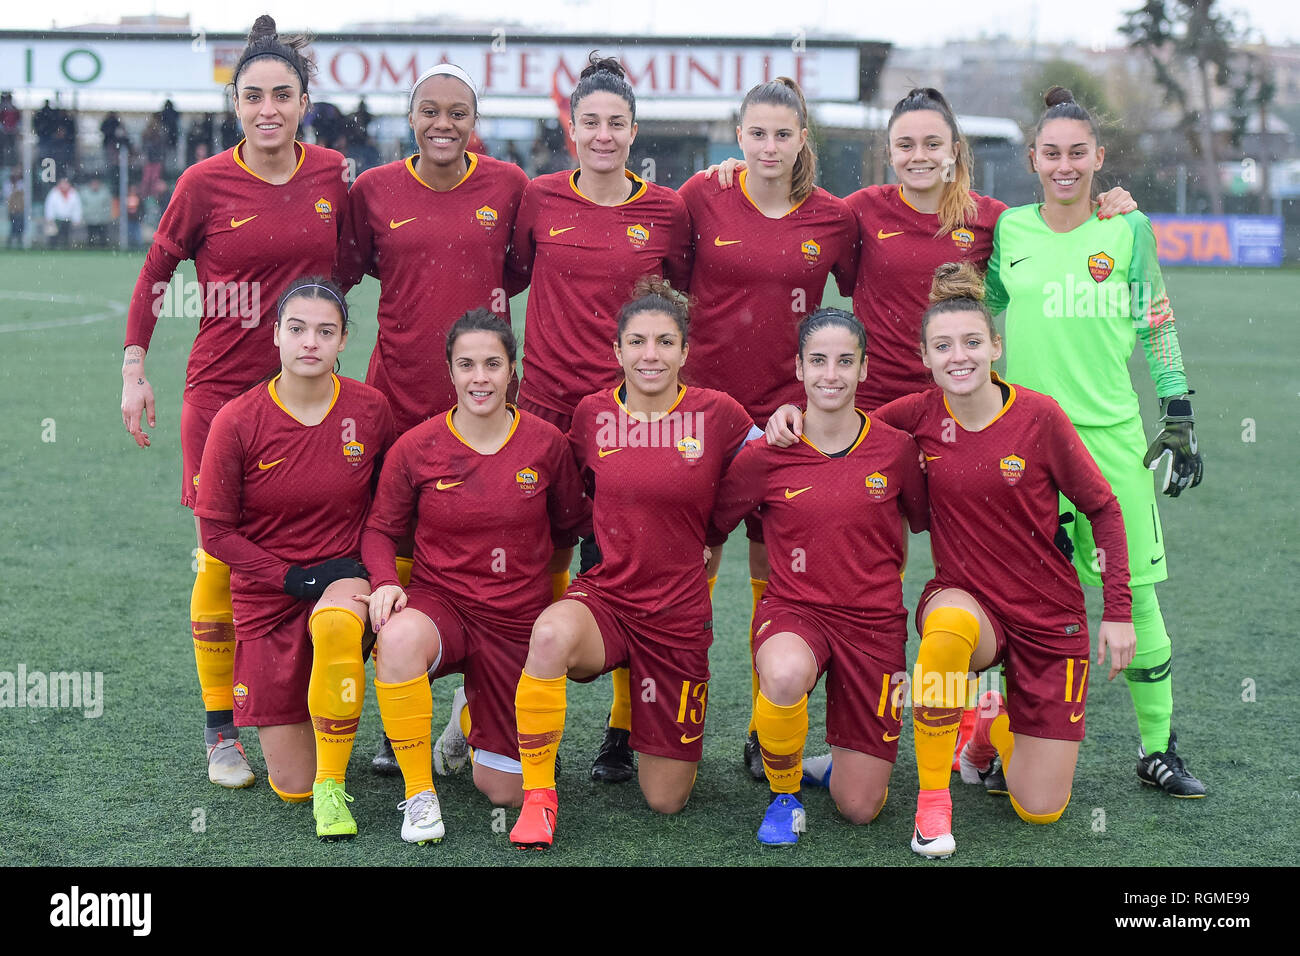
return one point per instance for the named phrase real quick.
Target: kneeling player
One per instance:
(493, 490)
(286, 479)
(835, 602)
(655, 450)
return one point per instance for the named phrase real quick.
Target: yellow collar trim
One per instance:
(1011, 397)
(862, 436)
(636, 193)
(741, 182)
(275, 397)
(473, 164)
(618, 397)
(298, 147)
(514, 424)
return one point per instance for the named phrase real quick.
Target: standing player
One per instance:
(251, 218)
(835, 604)
(762, 254)
(493, 491)
(1078, 293)
(655, 451)
(287, 475)
(583, 238)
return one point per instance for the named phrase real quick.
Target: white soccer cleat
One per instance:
(932, 835)
(227, 765)
(451, 749)
(422, 821)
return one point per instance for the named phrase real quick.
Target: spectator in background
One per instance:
(230, 132)
(16, 204)
(114, 136)
(154, 143)
(171, 124)
(43, 125)
(97, 210)
(64, 147)
(199, 135)
(155, 203)
(62, 212)
(11, 124)
(134, 216)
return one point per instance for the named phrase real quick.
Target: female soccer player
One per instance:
(1078, 292)
(655, 451)
(762, 254)
(835, 603)
(493, 491)
(583, 238)
(998, 458)
(288, 472)
(251, 218)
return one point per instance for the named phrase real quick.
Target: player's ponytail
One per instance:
(832, 318)
(655, 294)
(602, 74)
(1060, 104)
(956, 205)
(784, 91)
(265, 43)
(956, 287)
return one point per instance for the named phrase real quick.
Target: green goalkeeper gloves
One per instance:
(1173, 456)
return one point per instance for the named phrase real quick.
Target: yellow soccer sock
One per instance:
(782, 732)
(620, 708)
(404, 566)
(712, 581)
(559, 584)
(212, 624)
(465, 722)
(1001, 737)
(758, 587)
(939, 683)
(286, 796)
(1039, 817)
(406, 709)
(539, 714)
(336, 689)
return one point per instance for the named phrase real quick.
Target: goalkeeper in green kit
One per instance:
(1078, 292)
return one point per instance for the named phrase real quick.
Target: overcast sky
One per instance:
(1090, 22)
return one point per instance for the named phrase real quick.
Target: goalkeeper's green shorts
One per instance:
(1118, 451)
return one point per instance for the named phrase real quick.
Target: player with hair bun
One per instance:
(288, 471)
(251, 218)
(582, 239)
(762, 254)
(839, 611)
(655, 450)
(1079, 293)
(489, 487)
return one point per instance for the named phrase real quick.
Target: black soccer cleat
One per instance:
(384, 763)
(614, 761)
(753, 757)
(1167, 771)
(994, 780)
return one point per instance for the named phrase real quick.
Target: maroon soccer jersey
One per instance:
(583, 260)
(249, 239)
(753, 280)
(833, 525)
(436, 255)
(485, 525)
(900, 250)
(298, 493)
(994, 507)
(653, 486)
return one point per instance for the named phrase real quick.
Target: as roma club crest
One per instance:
(877, 484)
(1100, 266)
(1013, 466)
(526, 479)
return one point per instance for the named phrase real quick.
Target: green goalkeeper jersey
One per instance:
(1075, 303)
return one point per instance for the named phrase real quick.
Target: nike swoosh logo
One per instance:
(606, 452)
(795, 494)
(1157, 560)
(691, 740)
(394, 224)
(444, 485)
(719, 241)
(236, 223)
(556, 232)
(334, 728)
(881, 234)
(312, 581)
(263, 466)
(206, 630)
(1075, 718)
(933, 457)
(1016, 262)
(890, 737)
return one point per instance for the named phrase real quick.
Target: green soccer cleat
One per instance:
(329, 805)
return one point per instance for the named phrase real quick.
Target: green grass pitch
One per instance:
(96, 574)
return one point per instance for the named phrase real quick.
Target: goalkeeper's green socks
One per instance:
(1149, 681)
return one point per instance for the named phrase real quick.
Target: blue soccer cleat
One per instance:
(783, 822)
(817, 771)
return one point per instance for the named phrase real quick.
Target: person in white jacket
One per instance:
(62, 211)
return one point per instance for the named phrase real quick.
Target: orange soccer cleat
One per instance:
(535, 828)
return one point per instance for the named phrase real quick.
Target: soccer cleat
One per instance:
(535, 828)
(817, 771)
(451, 749)
(329, 805)
(783, 821)
(422, 822)
(932, 836)
(753, 757)
(384, 763)
(964, 733)
(1167, 771)
(614, 761)
(995, 782)
(227, 765)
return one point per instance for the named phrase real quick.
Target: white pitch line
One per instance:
(115, 310)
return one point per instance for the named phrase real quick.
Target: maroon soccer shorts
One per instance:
(272, 670)
(559, 419)
(195, 424)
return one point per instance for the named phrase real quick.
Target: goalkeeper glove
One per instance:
(1173, 456)
(309, 583)
(1064, 543)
